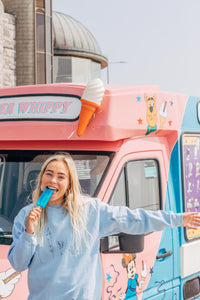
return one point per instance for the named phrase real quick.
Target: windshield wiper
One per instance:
(6, 234)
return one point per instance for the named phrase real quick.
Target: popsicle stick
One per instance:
(13, 275)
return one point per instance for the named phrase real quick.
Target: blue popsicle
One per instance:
(44, 198)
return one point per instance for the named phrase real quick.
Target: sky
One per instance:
(147, 42)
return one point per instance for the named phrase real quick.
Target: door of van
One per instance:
(139, 181)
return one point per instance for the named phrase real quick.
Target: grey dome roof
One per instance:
(70, 37)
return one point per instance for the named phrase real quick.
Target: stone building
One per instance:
(40, 46)
(7, 49)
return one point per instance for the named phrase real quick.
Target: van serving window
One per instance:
(191, 177)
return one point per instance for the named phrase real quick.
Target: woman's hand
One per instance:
(191, 220)
(32, 219)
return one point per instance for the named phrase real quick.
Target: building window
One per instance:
(40, 49)
(41, 64)
(43, 48)
(95, 70)
(49, 47)
(40, 4)
(75, 69)
(40, 32)
(62, 69)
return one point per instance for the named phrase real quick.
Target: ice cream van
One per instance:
(135, 146)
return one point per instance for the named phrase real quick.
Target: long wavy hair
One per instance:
(73, 200)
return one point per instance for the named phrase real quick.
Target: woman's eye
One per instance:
(49, 174)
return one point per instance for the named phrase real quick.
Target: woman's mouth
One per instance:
(55, 190)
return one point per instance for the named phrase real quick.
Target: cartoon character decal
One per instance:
(8, 279)
(129, 263)
(151, 115)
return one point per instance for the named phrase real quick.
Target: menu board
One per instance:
(191, 177)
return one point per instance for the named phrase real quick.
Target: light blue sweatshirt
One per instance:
(56, 272)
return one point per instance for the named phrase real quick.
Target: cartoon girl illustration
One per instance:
(128, 262)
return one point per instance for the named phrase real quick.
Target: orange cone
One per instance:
(88, 108)
(91, 100)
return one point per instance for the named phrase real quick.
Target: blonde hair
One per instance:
(73, 200)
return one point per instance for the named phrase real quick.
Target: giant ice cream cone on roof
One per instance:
(91, 100)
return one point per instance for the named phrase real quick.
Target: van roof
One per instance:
(125, 112)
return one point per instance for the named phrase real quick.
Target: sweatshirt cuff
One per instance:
(177, 219)
(28, 237)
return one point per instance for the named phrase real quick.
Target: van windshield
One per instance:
(18, 174)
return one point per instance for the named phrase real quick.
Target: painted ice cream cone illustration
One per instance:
(189, 204)
(196, 204)
(91, 100)
(190, 169)
(163, 114)
(13, 275)
(8, 279)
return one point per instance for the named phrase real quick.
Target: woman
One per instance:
(59, 245)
